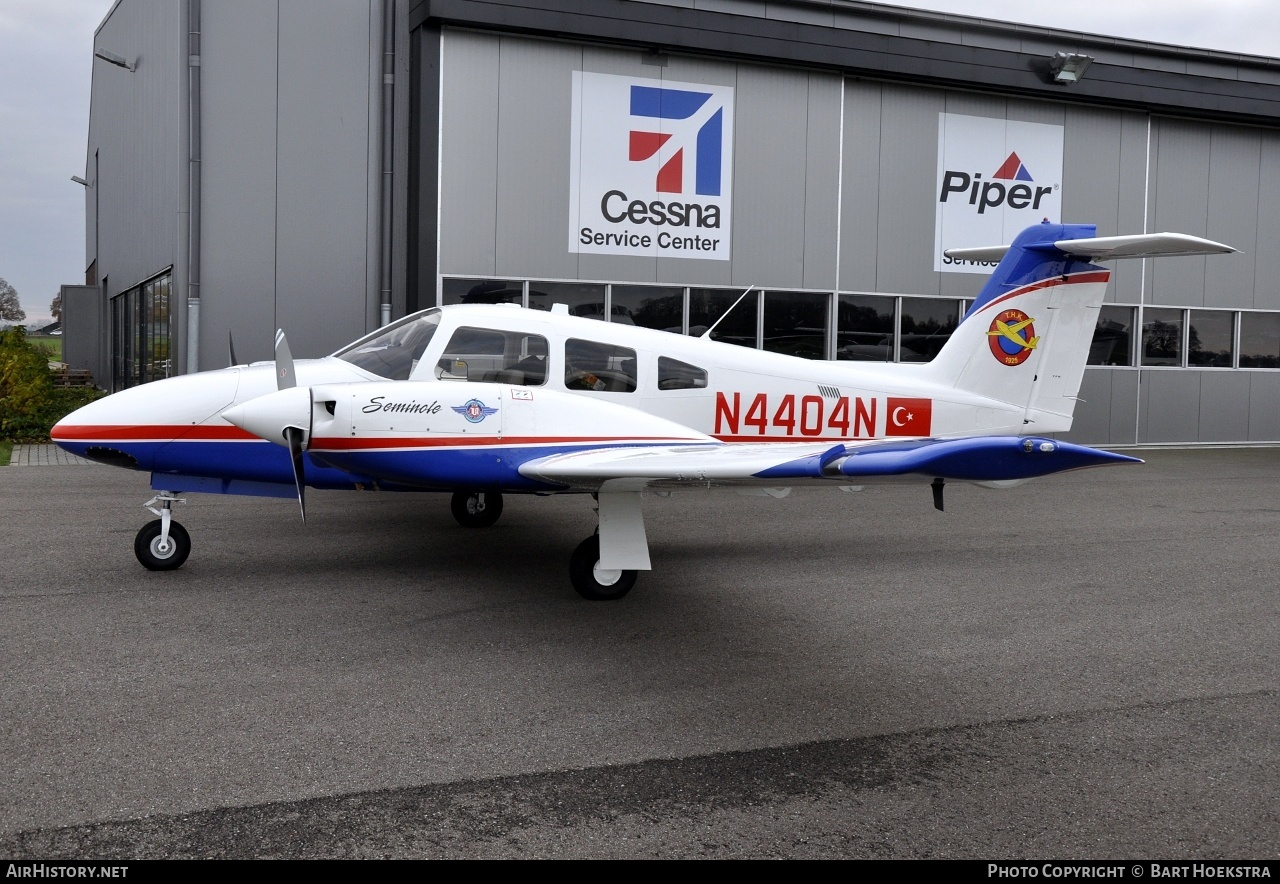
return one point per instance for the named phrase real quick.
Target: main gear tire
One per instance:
(591, 581)
(476, 509)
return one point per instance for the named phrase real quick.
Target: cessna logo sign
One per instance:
(650, 167)
(995, 177)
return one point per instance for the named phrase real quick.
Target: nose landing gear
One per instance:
(162, 545)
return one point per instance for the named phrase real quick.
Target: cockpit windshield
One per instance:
(393, 351)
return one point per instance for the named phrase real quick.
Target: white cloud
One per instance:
(1248, 26)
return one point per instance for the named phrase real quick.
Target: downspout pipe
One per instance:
(388, 113)
(193, 186)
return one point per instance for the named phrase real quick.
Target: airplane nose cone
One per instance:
(268, 416)
(130, 427)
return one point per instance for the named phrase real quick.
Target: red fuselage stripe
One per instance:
(383, 443)
(1072, 279)
(149, 433)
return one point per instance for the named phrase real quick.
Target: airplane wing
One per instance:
(977, 459)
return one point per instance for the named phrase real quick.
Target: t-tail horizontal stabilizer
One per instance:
(974, 459)
(1107, 248)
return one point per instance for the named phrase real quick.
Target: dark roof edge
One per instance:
(864, 53)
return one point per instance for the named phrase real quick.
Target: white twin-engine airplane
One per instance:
(482, 401)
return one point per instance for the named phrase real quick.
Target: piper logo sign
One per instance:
(995, 177)
(650, 167)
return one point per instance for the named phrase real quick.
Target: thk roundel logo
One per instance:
(1012, 337)
(474, 410)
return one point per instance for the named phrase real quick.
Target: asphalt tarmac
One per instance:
(1083, 667)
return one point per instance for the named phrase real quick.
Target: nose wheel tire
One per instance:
(476, 509)
(162, 556)
(590, 580)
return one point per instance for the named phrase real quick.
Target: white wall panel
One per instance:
(239, 43)
(770, 153)
(1264, 255)
(1234, 178)
(908, 169)
(533, 149)
(323, 157)
(1179, 202)
(860, 186)
(469, 153)
(1224, 406)
(1264, 406)
(822, 171)
(1170, 406)
(1131, 207)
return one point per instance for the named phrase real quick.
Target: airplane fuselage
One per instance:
(174, 428)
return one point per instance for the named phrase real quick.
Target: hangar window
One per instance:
(140, 333)
(648, 306)
(483, 291)
(582, 299)
(1112, 337)
(927, 323)
(795, 323)
(864, 328)
(1259, 340)
(707, 307)
(494, 356)
(1210, 337)
(1162, 336)
(676, 375)
(604, 368)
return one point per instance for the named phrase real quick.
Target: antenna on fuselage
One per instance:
(707, 333)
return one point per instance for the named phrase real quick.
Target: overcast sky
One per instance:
(46, 58)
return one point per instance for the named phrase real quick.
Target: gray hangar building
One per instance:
(328, 167)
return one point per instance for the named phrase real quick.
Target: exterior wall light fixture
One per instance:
(117, 60)
(1067, 67)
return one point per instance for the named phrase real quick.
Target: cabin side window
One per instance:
(676, 375)
(590, 365)
(494, 356)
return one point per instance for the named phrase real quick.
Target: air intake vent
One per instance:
(111, 457)
(829, 392)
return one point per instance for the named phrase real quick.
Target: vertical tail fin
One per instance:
(1025, 341)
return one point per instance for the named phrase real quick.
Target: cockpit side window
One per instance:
(393, 351)
(495, 356)
(676, 375)
(590, 365)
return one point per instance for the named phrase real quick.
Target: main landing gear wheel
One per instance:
(162, 555)
(591, 581)
(476, 509)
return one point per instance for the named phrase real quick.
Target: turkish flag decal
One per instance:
(908, 417)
